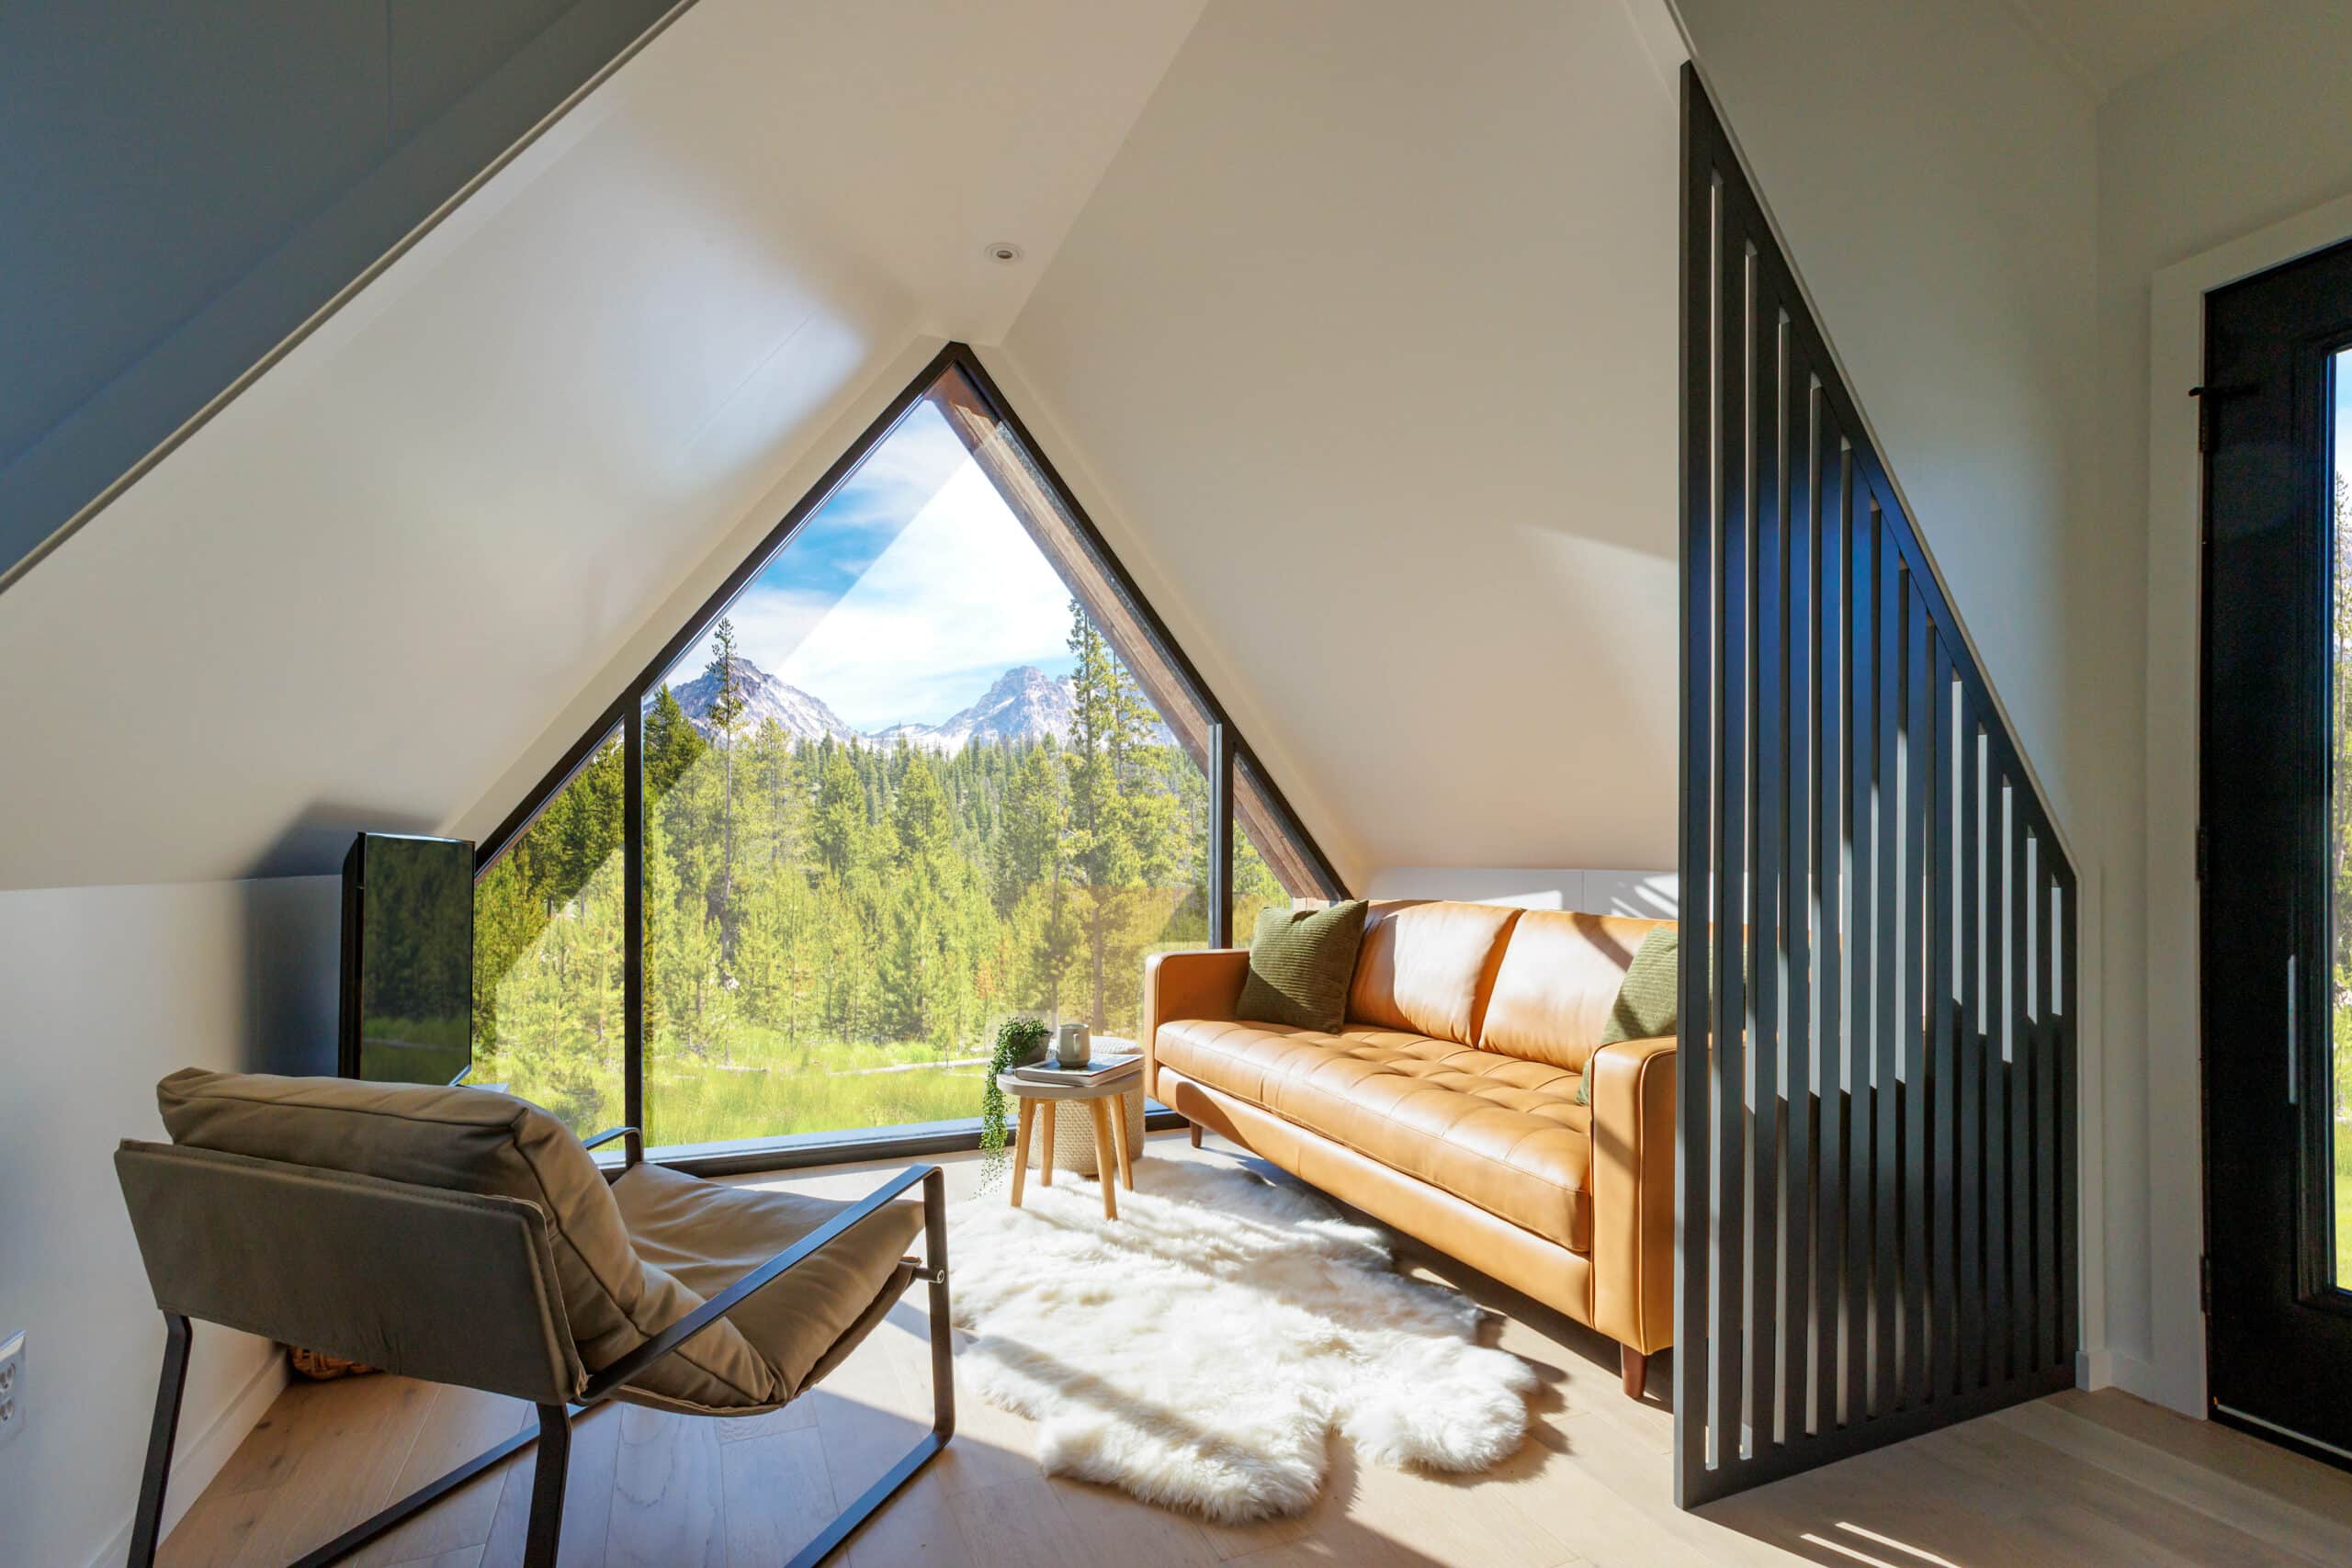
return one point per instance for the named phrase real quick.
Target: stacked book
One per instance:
(1103, 1067)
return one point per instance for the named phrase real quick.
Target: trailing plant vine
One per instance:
(1017, 1041)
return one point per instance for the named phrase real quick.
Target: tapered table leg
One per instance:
(1023, 1120)
(1106, 1169)
(1119, 1136)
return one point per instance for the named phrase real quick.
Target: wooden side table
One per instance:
(1111, 1152)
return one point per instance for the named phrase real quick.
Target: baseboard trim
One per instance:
(194, 1464)
(2137, 1377)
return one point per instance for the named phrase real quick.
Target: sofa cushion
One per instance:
(1427, 968)
(1300, 963)
(475, 1140)
(1504, 1133)
(1557, 983)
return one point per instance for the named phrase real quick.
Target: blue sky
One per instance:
(907, 594)
(2343, 431)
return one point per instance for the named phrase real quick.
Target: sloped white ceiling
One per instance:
(361, 592)
(2107, 42)
(1365, 349)
(1353, 322)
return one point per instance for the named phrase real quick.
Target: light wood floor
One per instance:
(2076, 1479)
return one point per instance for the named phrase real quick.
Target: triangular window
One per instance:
(926, 761)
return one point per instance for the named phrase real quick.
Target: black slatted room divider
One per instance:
(1877, 1094)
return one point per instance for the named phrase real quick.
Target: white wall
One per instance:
(1934, 173)
(1362, 355)
(102, 992)
(1652, 894)
(2235, 135)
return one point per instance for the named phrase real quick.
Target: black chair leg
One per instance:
(553, 1466)
(147, 1526)
(943, 1387)
(942, 1334)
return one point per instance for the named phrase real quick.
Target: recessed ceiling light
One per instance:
(1003, 251)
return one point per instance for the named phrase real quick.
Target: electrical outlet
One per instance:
(12, 1386)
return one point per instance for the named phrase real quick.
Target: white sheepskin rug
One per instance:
(1199, 1351)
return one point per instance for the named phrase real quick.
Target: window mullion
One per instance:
(633, 914)
(1220, 884)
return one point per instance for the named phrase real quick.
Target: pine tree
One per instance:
(725, 717)
(1105, 728)
(672, 744)
(839, 830)
(920, 824)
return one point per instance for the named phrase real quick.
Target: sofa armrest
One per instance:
(1204, 983)
(1632, 1192)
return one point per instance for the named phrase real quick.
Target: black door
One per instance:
(2277, 852)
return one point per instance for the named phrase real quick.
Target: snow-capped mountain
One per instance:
(764, 698)
(1024, 703)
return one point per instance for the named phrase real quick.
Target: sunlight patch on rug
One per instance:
(1199, 1351)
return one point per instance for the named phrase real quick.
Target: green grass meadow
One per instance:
(2344, 1203)
(765, 1086)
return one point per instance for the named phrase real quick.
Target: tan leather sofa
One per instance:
(1446, 1105)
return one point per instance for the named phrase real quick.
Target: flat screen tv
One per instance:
(408, 960)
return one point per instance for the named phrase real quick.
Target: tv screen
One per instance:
(408, 958)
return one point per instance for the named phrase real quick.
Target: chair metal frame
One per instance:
(554, 1434)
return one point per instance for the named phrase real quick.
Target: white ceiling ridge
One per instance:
(2039, 29)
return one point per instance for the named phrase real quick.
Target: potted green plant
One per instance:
(1019, 1042)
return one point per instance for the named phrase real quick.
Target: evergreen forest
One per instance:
(835, 928)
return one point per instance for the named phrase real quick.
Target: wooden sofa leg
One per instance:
(1196, 1134)
(1636, 1368)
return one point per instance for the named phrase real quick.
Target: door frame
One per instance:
(2175, 1372)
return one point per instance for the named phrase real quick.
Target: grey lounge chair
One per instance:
(463, 1236)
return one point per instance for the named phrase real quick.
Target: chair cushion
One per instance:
(1499, 1132)
(1426, 968)
(1557, 983)
(476, 1140)
(708, 1235)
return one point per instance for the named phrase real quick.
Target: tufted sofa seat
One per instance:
(1496, 1131)
(1447, 1104)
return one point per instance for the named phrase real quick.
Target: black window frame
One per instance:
(1229, 761)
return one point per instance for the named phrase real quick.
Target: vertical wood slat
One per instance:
(1943, 1025)
(2045, 1345)
(1918, 881)
(2021, 1131)
(1797, 913)
(2063, 1053)
(1886, 846)
(1828, 830)
(1729, 1130)
(1693, 1190)
(1877, 1101)
(1969, 1175)
(1767, 644)
(1861, 928)
(1996, 1081)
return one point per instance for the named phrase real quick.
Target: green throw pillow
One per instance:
(1300, 963)
(1647, 999)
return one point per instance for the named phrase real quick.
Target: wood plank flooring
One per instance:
(2075, 1479)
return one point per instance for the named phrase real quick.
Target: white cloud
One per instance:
(961, 595)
